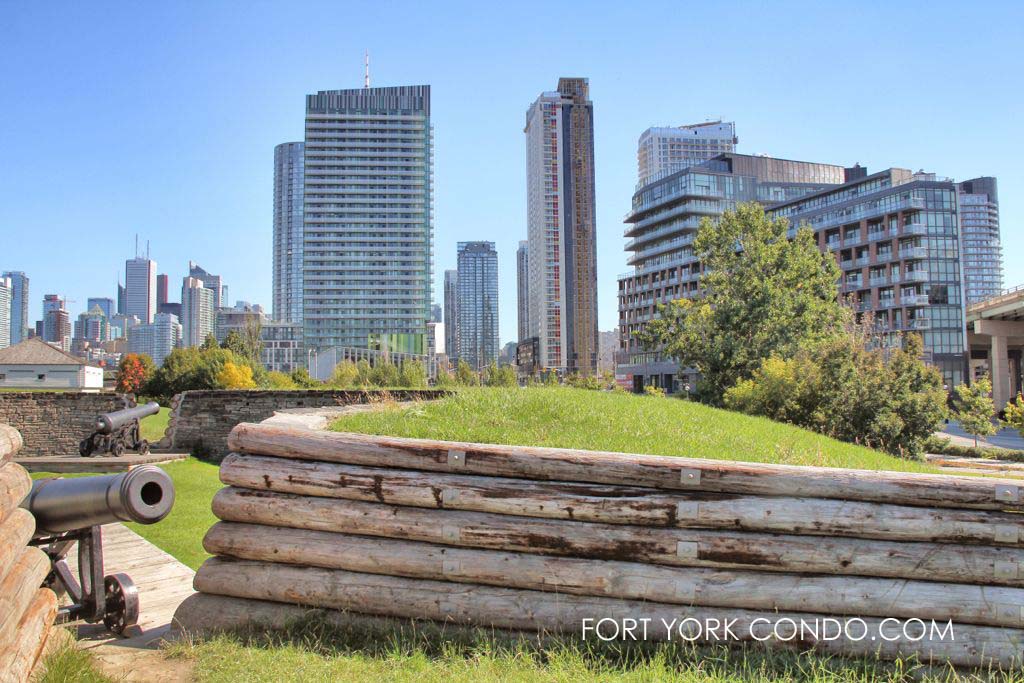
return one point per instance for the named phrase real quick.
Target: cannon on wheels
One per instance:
(70, 512)
(119, 431)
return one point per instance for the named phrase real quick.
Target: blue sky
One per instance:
(161, 118)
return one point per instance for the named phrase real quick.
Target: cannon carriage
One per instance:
(119, 431)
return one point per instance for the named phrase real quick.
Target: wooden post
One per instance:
(830, 595)
(560, 613)
(15, 533)
(679, 547)
(14, 486)
(19, 658)
(18, 589)
(10, 442)
(613, 504)
(662, 472)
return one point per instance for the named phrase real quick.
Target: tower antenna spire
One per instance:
(366, 77)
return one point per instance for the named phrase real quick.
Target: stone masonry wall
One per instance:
(53, 422)
(201, 420)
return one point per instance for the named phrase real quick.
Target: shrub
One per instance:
(280, 381)
(651, 390)
(194, 368)
(302, 378)
(465, 376)
(384, 374)
(412, 374)
(235, 376)
(133, 372)
(344, 375)
(973, 408)
(500, 376)
(1013, 414)
(444, 378)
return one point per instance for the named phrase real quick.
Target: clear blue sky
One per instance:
(161, 118)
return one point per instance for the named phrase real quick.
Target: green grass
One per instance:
(154, 426)
(68, 664)
(629, 423)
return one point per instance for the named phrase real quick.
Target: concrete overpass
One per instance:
(995, 335)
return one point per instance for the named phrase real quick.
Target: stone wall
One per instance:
(201, 420)
(53, 422)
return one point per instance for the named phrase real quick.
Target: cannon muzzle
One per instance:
(143, 494)
(108, 422)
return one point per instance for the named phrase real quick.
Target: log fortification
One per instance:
(551, 540)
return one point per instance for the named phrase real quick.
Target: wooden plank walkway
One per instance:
(163, 583)
(98, 464)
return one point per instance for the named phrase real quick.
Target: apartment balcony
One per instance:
(915, 229)
(862, 261)
(916, 276)
(913, 252)
(681, 226)
(887, 302)
(865, 306)
(920, 324)
(878, 281)
(914, 299)
(850, 241)
(846, 263)
(851, 285)
(833, 243)
(881, 235)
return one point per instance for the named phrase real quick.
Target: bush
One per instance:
(1013, 414)
(500, 376)
(413, 375)
(235, 376)
(444, 378)
(944, 446)
(651, 390)
(198, 368)
(302, 378)
(280, 381)
(384, 374)
(344, 376)
(465, 376)
(133, 372)
(887, 399)
(973, 408)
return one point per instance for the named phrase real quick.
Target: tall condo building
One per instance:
(198, 314)
(661, 151)
(140, 288)
(122, 299)
(368, 219)
(6, 296)
(477, 303)
(982, 256)
(289, 162)
(56, 322)
(523, 290)
(561, 227)
(19, 305)
(105, 303)
(162, 285)
(451, 314)
(211, 282)
(156, 339)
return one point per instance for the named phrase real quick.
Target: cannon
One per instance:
(118, 431)
(70, 511)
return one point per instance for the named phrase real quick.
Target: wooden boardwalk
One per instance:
(163, 582)
(95, 465)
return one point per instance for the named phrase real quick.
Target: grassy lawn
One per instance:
(576, 418)
(154, 426)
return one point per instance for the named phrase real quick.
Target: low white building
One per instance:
(34, 364)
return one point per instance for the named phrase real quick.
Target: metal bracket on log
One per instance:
(687, 509)
(450, 496)
(451, 567)
(1007, 494)
(456, 458)
(1006, 570)
(451, 533)
(687, 549)
(1011, 612)
(689, 476)
(1005, 533)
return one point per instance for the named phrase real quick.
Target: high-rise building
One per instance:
(451, 314)
(162, 284)
(282, 346)
(140, 288)
(477, 303)
(156, 339)
(198, 314)
(289, 164)
(211, 282)
(56, 322)
(6, 296)
(105, 303)
(93, 325)
(122, 299)
(19, 305)
(523, 290)
(436, 313)
(661, 151)
(368, 219)
(982, 255)
(561, 227)
(243, 318)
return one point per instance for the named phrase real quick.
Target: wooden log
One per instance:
(678, 547)
(14, 486)
(612, 504)
(19, 658)
(830, 595)
(15, 533)
(560, 613)
(10, 442)
(18, 588)
(661, 472)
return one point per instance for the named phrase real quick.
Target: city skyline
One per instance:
(228, 220)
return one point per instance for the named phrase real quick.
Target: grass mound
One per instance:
(592, 420)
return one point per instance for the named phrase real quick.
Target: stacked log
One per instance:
(544, 540)
(27, 612)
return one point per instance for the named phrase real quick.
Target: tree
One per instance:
(973, 408)
(133, 372)
(465, 376)
(247, 341)
(302, 378)
(235, 376)
(279, 380)
(500, 376)
(1013, 414)
(364, 373)
(764, 295)
(209, 343)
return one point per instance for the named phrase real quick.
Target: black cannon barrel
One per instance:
(143, 494)
(108, 422)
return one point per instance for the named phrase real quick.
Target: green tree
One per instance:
(280, 380)
(465, 376)
(500, 376)
(1013, 414)
(209, 343)
(764, 295)
(302, 378)
(345, 375)
(973, 408)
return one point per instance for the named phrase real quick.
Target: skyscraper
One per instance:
(477, 307)
(211, 282)
(140, 288)
(56, 322)
(561, 227)
(451, 314)
(979, 232)
(19, 305)
(198, 314)
(661, 151)
(122, 299)
(368, 218)
(105, 303)
(6, 296)
(157, 339)
(523, 290)
(289, 165)
(162, 284)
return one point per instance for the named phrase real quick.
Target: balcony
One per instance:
(886, 302)
(865, 306)
(851, 240)
(914, 252)
(920, 324)
(914, 299)
(880, 235)
(862, 261)
(915, 229)
(916, 276)
(834, 243)
(878, 281)
(851, 285)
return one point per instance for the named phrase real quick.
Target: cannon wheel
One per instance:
(122, 603)
(85, 447)
(143, 447)
(117, 449)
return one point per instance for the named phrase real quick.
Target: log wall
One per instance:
(542, 539)
(27, 612)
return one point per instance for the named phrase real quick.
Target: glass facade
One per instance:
(289, 173)
(367, 216)
(19, 305)
(982, 247)
(477, 293)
